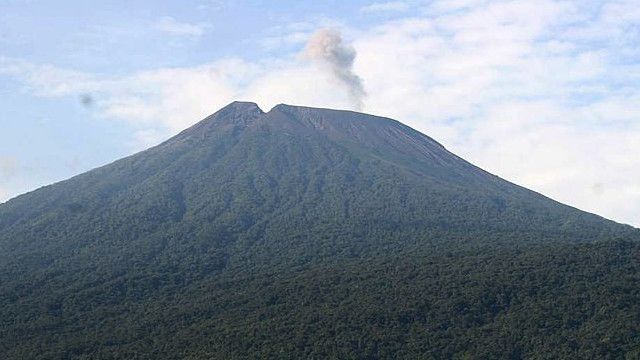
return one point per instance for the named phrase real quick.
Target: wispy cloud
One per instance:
(8, 167)
(382, 7)
(171, 26)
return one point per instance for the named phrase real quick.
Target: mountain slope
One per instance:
(246, 196)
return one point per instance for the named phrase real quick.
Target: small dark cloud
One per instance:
(86, 100)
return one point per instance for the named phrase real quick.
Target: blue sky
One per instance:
(544, 93)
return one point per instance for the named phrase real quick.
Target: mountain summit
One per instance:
(254, 234)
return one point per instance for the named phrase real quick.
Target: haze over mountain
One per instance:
(305, 232)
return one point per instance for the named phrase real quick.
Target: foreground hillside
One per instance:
(309, 233)
(570, 301)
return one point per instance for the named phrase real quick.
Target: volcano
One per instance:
(309, 233)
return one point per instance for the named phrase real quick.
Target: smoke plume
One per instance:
(327, 48)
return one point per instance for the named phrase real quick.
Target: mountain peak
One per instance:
(235, 113)
(241, 106)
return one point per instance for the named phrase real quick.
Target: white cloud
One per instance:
(169, 25)
(4, 195)
(8, 167)
(8, 172)
(389, 6)
(47, 80)
(298, 84)
(176, 97)
(544, 93)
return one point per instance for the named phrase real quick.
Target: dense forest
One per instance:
(570, 301)
(309, 233)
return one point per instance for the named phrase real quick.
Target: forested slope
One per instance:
(308, 232)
